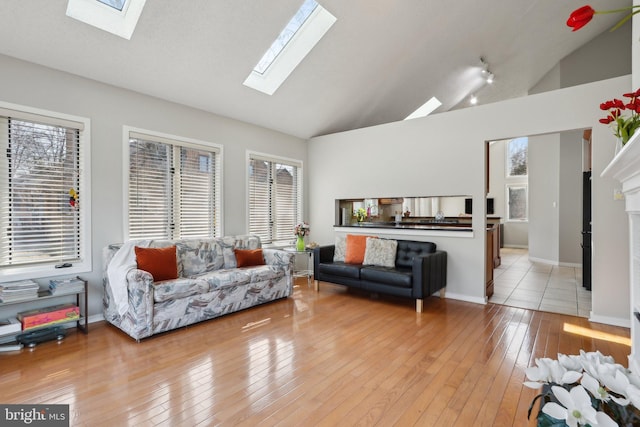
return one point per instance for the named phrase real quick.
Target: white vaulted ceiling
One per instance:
(380, 61)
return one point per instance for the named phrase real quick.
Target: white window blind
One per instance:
(39, 168)
(174, 188)
(275, 198)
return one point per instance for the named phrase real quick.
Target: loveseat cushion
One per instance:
(381, 252)
(388, 276)
(407, 250)
(178, 288)
(341, 269)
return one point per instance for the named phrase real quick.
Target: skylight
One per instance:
(425, 109)
(285, 35)
(295, 41)
(118, 17)
(116, 4)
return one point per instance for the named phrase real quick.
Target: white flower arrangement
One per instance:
(589, 389)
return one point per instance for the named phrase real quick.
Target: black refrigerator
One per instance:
(586, 230)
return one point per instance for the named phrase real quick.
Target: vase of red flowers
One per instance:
(624, 117)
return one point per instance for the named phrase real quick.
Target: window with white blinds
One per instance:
(174, 188)
(41, 177)
(275, 198)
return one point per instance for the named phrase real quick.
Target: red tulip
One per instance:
(606, 105)
(632, 94)
(580, 17)
(606, 120)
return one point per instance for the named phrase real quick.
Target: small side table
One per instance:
(308, 272)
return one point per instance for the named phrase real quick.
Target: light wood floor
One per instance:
(334, 358)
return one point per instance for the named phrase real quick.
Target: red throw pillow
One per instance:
(160, 262)
(356, 245)
(248, 257)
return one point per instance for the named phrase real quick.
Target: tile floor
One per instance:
(519, 282)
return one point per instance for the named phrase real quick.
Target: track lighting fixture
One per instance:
(486, 73)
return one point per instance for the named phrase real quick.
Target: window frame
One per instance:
(508, 160)
(161, 137)
(84, 265)
(523, 186)
(299, 164)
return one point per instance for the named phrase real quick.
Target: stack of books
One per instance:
(18, 291)
(10, 325)
(48, 316)
(66, 286)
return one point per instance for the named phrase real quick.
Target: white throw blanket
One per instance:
(122, 262)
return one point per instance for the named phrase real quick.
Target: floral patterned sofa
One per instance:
(209, 283)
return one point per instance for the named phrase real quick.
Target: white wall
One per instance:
(570, 199)
(544, 163)
(445, 154)
(109, 108)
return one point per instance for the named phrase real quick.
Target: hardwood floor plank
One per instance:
(327, 358)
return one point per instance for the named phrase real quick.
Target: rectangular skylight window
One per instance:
(286, 35)
(116, 4)
(426, 108)
(297, 39)
(118, 17)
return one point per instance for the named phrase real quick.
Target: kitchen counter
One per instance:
(443, 225)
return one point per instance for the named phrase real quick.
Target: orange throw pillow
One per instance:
(249, 257)
(356, 245)
(160, 262)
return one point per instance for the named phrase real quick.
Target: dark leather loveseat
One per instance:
(420, 271)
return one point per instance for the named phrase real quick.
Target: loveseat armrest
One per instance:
(429, 274)
(322, 254)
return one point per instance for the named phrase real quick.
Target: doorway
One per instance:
(545, 269)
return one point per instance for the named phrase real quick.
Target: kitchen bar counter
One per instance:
(412, 226)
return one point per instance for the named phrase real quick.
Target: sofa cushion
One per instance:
(356, 245)
(407, 250)
(230, 243)
(387, 276)
(197, 256)
(221, 279)
(340, 249)
(380, 252)
(264, 272)
(249, 257)
(341, 269)
(161, 263)
(178, 288)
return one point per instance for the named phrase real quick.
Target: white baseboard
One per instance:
(516, 246)
(96, 318)
(467, 298)
(614, 321)
(556, 263)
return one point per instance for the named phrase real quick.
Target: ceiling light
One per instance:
(490, 77)
(473, 100)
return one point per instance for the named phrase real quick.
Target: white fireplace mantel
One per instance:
(625, 167)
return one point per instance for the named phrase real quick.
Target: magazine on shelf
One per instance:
(19, 285)
(64, 286)
(9, 325)
(18, 291)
